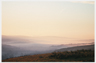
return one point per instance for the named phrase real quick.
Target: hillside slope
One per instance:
(73, 56)
(87, 47)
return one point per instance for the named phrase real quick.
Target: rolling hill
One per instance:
(86, 47)
(73, 54)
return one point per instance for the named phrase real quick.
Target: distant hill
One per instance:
(12, 51)
(86, 47)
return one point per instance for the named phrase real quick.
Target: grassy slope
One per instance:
(55, 57)
(87, 47)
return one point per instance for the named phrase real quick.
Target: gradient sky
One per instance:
(62, 19)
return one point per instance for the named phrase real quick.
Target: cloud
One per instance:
(91, 40)
(86, 2)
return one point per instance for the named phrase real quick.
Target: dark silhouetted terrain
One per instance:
(71, 54)
(87, 47)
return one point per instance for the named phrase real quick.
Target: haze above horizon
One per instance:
(58, 19)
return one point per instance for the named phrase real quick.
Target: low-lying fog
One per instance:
(17, 46)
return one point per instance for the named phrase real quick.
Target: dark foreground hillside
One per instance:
(67, 56)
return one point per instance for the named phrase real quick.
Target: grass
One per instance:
(68, 56)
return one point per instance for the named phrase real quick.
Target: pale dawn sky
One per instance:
(57, 18)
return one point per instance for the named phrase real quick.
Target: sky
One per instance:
(71, 19)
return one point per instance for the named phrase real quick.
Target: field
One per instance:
(67, 56)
